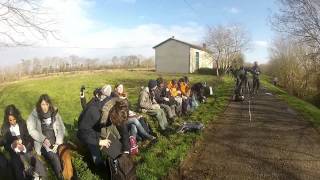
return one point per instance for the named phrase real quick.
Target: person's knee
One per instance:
(135, 121)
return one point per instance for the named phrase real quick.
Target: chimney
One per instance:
(204, 46)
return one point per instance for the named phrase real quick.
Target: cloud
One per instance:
(232, 10)
(83, 36)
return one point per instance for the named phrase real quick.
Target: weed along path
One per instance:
(276, 144)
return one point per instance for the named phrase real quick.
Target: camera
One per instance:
(82, 90)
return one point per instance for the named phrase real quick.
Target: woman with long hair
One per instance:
(46, 127)
(19, 144)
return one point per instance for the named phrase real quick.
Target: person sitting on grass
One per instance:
(176, 94)
(19, 144)
(147, 104)
(160, 95)
(184, 88)
(198, 91)
(134, 125)
(46, 127)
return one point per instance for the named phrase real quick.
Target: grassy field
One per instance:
(154, 161)
(309, 111)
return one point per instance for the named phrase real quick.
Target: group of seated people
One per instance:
(106, 125)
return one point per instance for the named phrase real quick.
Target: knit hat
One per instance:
(152, 84)
(106, 90)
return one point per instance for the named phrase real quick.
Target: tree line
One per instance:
(295, 52)
(49, 65)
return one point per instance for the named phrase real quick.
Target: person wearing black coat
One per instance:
(17, 141)
(89, 127)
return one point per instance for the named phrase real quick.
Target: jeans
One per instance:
(135, 127)
(95, 154)
(54, 161)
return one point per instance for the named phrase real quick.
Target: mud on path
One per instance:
(276, 144)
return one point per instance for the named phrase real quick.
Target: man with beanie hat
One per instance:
(147, 104)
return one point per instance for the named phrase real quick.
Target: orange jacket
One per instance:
(185, 89)
(173, 89)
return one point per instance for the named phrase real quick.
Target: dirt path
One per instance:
(276, 144)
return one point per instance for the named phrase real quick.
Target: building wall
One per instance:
(204, 59)
(172, 57)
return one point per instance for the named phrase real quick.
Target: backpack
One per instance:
(190, 127)
(122, 168)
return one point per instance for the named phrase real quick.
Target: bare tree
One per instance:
(226, 43)
(22, 18)
(300, 20)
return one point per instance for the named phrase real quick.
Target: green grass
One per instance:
(309, 111)
(154, 161)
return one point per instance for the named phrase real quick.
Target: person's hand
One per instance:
(21, 147)
(104, 143)
(14, 144)
(19, 141)
(46, 143)
(184, 97)
(179, 92)
(166, 99)
(155, 106)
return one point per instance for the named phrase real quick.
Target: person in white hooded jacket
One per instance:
(46, 127)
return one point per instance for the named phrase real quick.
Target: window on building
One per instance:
(197, 60)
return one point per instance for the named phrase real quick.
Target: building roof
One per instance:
(183, 42)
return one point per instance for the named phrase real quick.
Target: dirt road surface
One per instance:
(276, 144)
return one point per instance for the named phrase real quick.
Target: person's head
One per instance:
(119, 113)
(152, 84)
(119, 89)
(160, 82)
(186, 79)
(255, 63)
(44, 104)
(181, 80)
(105, 92)
(11, 115)
(174, 82)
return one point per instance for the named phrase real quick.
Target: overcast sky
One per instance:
(104, 28)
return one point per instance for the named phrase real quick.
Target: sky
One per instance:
(106, 28)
